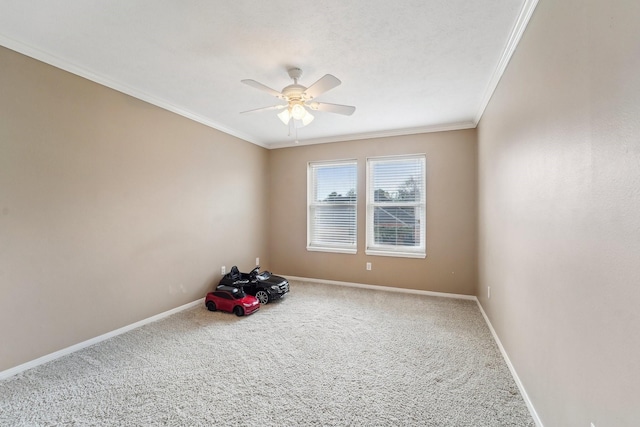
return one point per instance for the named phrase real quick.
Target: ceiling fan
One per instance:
(300, 98)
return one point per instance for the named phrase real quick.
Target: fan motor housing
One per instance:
(293, 92)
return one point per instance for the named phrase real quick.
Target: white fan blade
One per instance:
(262, 87)
(273, 107)
(325, 83)
(346, 110)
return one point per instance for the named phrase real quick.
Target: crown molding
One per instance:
(512, 43)
(65, 65)
(516, 34)
(377, 134)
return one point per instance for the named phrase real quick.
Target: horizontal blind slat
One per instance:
(396, 204)
(332, 207)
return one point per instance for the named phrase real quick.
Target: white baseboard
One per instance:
(384, 288)
(514, 374)
(505, 356)
(65, 351)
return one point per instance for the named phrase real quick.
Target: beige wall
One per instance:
(450, 265)
(111, 210)
(559, 212)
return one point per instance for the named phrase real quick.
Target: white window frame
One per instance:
(312, 205)
(372, 248)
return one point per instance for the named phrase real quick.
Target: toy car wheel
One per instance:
(211, 306)
(239, 311)
(262, 296)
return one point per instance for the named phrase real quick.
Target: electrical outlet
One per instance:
(488, 291)
(368, 266)
(223, 270)
(257, 260)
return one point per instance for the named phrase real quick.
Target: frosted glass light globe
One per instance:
(298, 112)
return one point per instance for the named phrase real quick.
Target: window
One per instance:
(396, 206)
(331, 206)
(222, 294)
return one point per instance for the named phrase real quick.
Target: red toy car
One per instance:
(233, 300)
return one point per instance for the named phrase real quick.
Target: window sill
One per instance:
(395, 254)
(334, 250)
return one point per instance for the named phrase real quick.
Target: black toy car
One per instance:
(264, 286)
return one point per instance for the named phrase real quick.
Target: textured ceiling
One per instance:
(408, 66)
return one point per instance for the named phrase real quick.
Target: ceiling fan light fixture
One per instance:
(285, 116)
(298, 111)
(308, 118)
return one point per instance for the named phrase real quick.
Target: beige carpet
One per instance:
(324, 355)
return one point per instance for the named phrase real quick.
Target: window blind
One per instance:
(332, 206)
(396, 206)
